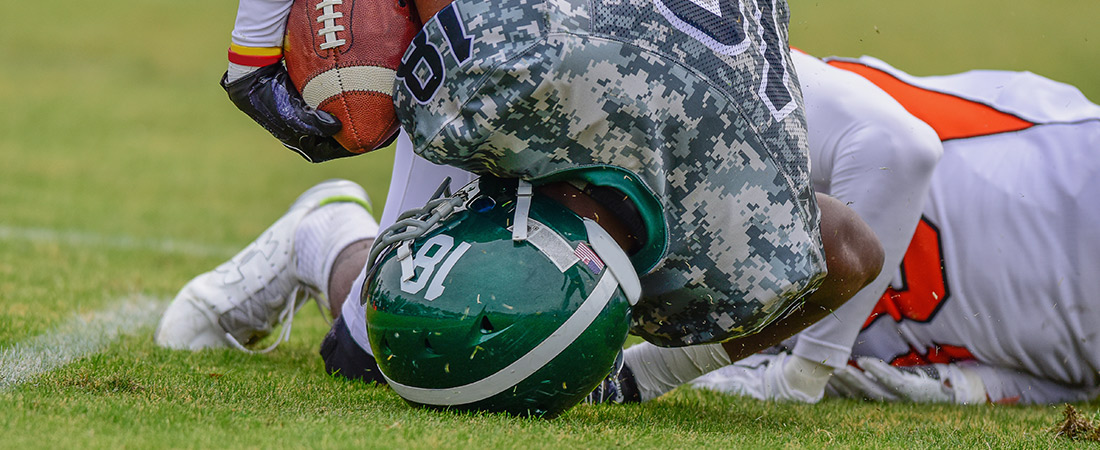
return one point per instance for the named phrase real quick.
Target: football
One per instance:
(342, 56)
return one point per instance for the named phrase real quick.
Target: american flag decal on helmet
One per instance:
(589, 258)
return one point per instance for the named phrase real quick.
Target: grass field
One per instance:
(124, 172)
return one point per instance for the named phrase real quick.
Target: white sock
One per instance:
(806, 376)
(323, 234)
(966, 383)
(658, 370)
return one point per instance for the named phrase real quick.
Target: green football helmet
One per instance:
(468, 309)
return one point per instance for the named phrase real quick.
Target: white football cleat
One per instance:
(242, 300)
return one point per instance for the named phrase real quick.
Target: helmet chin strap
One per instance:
(617, 262)
(523, 209)
(404, 254)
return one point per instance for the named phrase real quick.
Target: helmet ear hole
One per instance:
(385, 347)
(486, 325)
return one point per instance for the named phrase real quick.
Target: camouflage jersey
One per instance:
(697, 98)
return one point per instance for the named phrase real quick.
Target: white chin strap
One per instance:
(617, 262)
(523, 209)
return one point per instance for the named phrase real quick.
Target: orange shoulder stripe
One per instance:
(952, 117)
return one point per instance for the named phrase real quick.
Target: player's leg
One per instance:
(241, 300)
(318, 248)
(412, 184)
(855, 174)
(346, 350)
(414, 181)
(854, 258)
(1010, 386)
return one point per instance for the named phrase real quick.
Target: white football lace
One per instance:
(328, 19)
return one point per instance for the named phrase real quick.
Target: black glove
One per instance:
(269, 98)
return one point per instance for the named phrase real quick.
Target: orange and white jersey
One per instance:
(1004, 267)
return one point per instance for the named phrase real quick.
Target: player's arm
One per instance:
(853, 256)
(868, 152)
(258, 84)
(877, 159)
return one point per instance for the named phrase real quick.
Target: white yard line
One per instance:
(80, 336)
(87, 334)
(84, 238)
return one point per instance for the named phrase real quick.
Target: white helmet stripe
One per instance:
(526, 365)
(616, 260)
(346, 79)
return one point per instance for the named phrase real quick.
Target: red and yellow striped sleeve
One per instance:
(254, 56)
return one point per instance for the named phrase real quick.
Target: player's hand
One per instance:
(759, 376)
(932, 383)
(269, 98)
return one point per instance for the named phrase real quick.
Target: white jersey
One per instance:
(1005, 263)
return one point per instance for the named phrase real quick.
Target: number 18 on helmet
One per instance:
(468, 313)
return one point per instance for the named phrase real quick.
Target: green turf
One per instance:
(934, 37)
(124, 171)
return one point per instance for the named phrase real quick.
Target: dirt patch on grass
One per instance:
(1075, 426)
